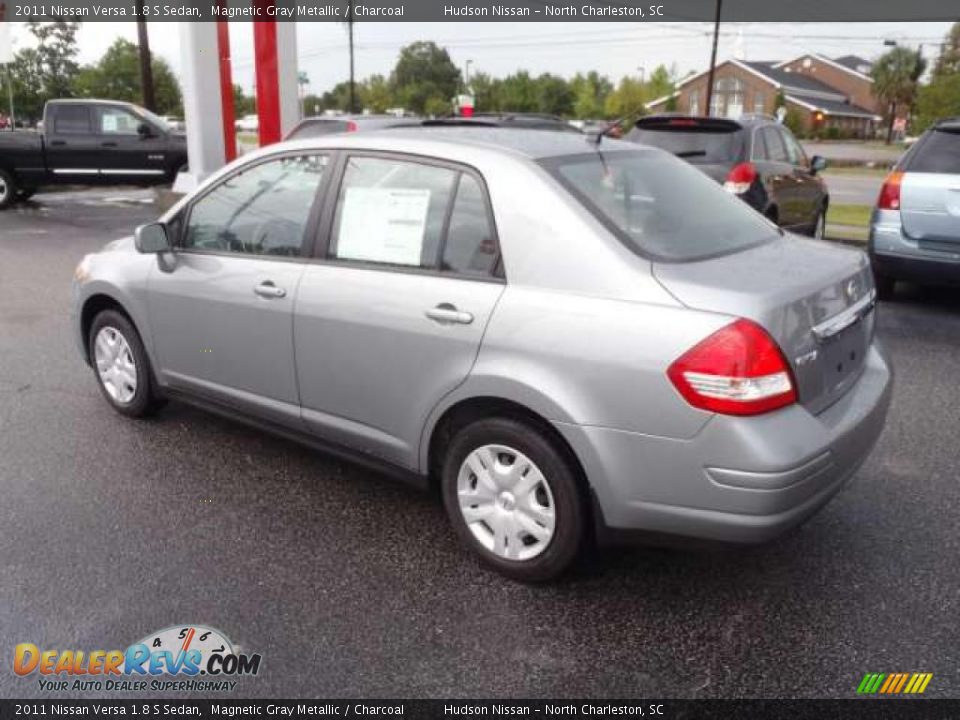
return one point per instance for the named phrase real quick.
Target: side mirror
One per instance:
(151, 239)
(144, 131)
(818, 164)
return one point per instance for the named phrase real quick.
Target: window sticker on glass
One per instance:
(109, 123)
(383, 224)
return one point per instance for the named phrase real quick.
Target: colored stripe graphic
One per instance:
(894, 683)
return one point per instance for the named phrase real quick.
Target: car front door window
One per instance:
(262, 210)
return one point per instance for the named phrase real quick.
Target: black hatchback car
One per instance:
(755, 158)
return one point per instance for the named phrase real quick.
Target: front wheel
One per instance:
(121, 365)
(8, 189)
(513, 498)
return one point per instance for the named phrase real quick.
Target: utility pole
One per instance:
(353, 84)
(146, 68)
(713, 58)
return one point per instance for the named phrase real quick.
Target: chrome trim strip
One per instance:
(75, 171)
(131, 172)
(841, 321)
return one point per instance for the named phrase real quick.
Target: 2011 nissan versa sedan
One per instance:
(571, 339)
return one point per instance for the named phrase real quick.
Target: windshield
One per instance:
(704, 146)
(660, 206)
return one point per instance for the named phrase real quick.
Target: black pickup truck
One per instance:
(89, 142)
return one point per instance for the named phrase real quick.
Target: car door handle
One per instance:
(108, 144)
(58, 143)
(448, 313)
(268, 290)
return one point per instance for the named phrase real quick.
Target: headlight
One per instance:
(82, 273)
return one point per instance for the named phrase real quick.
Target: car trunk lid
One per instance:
(815, 299)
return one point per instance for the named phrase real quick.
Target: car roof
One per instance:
(444, 141)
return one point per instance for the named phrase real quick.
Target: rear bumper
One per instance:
(740, 480)
(897, 256)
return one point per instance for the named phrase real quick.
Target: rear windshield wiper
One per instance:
(691, 153)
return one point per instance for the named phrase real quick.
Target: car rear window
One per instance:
(660, 206)
(700, 145)
(938, 153)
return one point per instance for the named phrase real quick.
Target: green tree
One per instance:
(117, 77)
(591, 92)
(244, 104)
(518, 93)
(424, 73)
(56, 56)
(895, 80)
(486, 92)
(377, 94)
(660, 83)
(25, 76)
(949, 60)
(627, 101)
(939, 99)
(554, 95)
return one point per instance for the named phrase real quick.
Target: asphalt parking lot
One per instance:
(350, 585)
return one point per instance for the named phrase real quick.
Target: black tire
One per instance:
(569, 505)
(8, 189)
(820, 221)
(886, 286)
(145, 399)
(26, 193)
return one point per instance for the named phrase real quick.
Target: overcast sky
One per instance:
(613, 49)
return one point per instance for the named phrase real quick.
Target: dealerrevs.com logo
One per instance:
(183, 657)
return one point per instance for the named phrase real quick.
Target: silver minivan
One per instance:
(570, 339)
(915, 227)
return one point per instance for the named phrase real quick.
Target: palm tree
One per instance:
(896, 76)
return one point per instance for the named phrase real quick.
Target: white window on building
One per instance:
(695, 102)
(759, 103)
(727, 98)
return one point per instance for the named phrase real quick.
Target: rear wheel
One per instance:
(121, 365)
(8, 189)
(513, 498)
(820, 225)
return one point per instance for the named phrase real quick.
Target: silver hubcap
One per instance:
(3, 189)
(506, 502)
(115, 365)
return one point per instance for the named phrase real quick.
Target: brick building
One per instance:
(825, 93)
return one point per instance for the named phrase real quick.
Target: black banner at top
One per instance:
(484, 10)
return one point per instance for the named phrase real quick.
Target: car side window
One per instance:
(72, 120)
(262, 210)
(794, 151)
(776, 150)
(471, 247)
(391, 212)
(759, 151)
(117, 121)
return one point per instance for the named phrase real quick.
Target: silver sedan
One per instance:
(571, 339)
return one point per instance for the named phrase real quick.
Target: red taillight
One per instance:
(890, 192)
(683, 123)
(739, 370)
(740, 178)
(351, 126)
